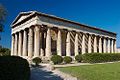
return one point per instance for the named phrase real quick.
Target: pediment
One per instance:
(21, 17)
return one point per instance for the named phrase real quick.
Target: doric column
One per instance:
(20, 44)
(16, 45)
(68, 52)
(115, 46)
(48, 43)
(104, 45)
(108, 46)
(76, 44)
(42, 43)
(30, 43)
(95, 44)
(37, 41)
(12, 45)
(89, 44)
(83, 43)
(112, 46)
(59, 43)
(100, 45)
(24, 43)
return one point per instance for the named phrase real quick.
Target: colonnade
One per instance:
(36, 41)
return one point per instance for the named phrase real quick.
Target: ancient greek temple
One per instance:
(36, 34)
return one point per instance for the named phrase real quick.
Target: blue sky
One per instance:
(103, 14)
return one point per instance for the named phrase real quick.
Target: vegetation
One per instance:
(100, 57)
(14, 68)
(4, 52)
(78, 58)
(56, 59)
(95, 72)
(36, 60)
(67, 59)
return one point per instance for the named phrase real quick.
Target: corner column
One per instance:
(12, 45)
(59, 42)
(16, 45)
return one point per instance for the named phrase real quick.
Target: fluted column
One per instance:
(108, 46)
(12, 45)
(59, 43)
(104, 45)
(95, 44)
(48, 43)
(25, 43)
(68, 52)
(37, 41)
(16, 45)
(30, 43)
(89, 44)
(20, 44)
(83, 43)
(112, 46)
(100, 45)
(115, 46)
(76, 44)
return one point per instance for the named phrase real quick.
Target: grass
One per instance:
(109, 71)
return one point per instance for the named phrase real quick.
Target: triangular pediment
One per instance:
(21, 17)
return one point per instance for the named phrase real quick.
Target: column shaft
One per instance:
(30, 43)
(76, 44)
(95, 44)
(37, 42)
(25, 43)
(16, 45)
(112, 46)
(68, 46)
(104, 45)
(100, 45)
(89, 44)
(83, 44)
(12, 45)
(59, 44)
(108, 46)
(20, 44)
(115, 46)
(48, 44)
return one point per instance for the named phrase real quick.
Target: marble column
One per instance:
(20, 44)
(95, 44)
(37, 41)
(76, 44)
(30, 43)
(100, 45)
(68, 45)
(25, 43)
(16, 45)
(112, 46)
(83, 43)
(42, 44)
(104, 45)
(48, 44)
(108, 46)
(115, 46)
(59, 43)
(12, 44)
(89, 44)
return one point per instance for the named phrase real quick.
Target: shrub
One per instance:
(100, 57)
(14, 68)
(4, 52)
(56, 59)
(67, 59)
(36, 60)
(78, 58)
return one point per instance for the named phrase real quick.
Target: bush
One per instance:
(100, 57)
(4, 52)
(67, 59)
(78, 58)
(56, 59)
(14, 68)
(36, 60)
